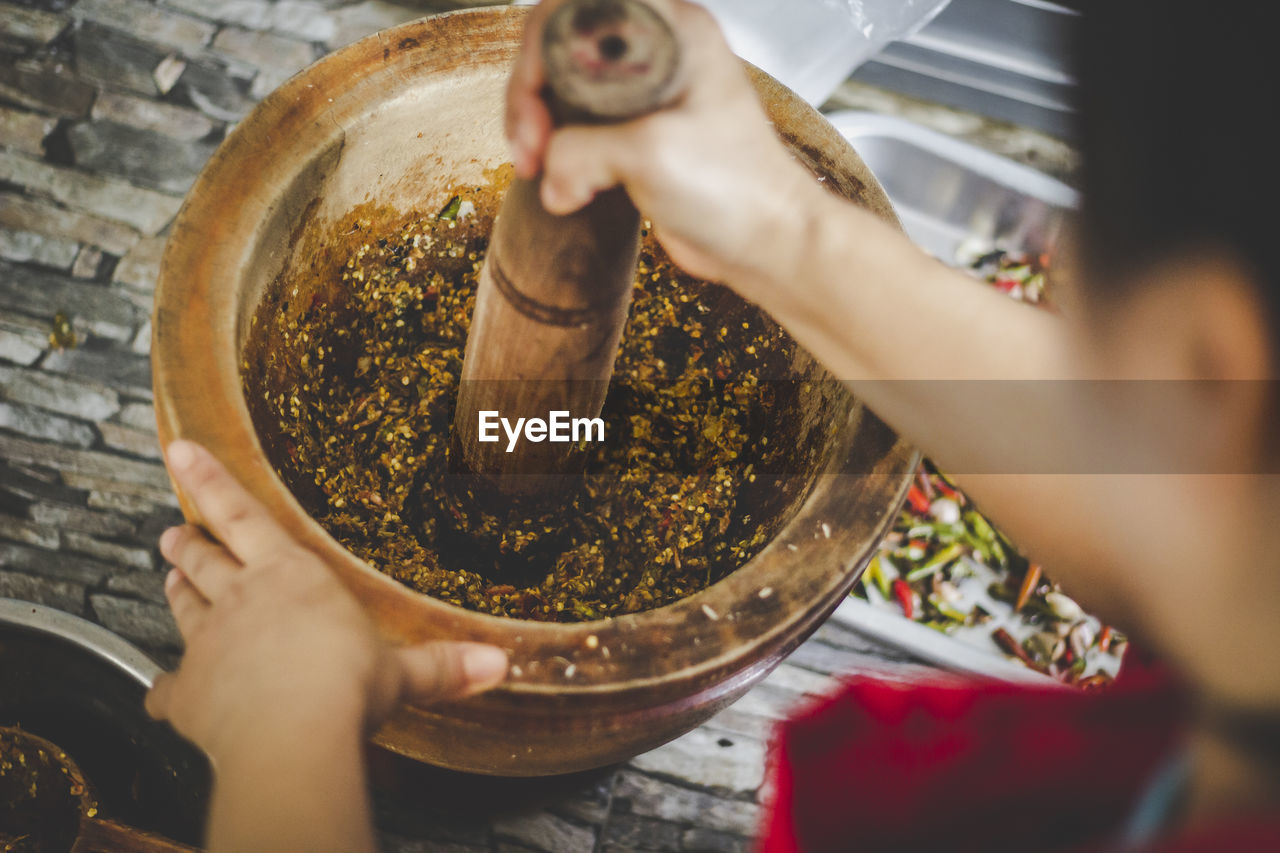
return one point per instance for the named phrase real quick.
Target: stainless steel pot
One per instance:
(81, 687)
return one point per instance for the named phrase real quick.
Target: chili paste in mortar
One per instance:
(351, 370)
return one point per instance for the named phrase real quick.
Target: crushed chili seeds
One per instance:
(351, 370)
(42, 795)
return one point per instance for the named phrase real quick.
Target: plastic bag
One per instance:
(883, 21)
(812, 46)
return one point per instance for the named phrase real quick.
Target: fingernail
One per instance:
(168, 538)
(171, 579)
(181, 455)
(484, 665)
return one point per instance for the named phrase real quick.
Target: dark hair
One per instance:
(1180, 131)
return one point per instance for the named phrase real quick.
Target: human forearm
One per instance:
(872, 306)
(970, 376)
(951, 364)
(295, 785)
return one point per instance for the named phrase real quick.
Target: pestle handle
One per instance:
(608, 61)
(554, 291)
(106, 836)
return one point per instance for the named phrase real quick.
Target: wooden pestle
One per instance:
(553, 293)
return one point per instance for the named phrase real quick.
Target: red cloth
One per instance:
(957, 765)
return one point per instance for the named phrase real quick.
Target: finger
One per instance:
(186, 602)
(159, 696)
(531, 131)
(528, 121)
(436, 672)
(706, 54)
(583, 161)
(233, 516)
(527, 73)
(205, 563)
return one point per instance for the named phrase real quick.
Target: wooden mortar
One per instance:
(399, 118)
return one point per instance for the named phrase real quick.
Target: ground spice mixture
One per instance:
(352, 367)
(42, 795)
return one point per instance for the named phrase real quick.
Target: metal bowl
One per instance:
(948, 192)
(81, 687)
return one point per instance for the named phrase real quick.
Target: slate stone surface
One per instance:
(141, 156)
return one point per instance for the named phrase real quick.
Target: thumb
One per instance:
(582, 161)
(438, 672)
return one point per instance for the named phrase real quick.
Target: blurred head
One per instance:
(1180, 280)
(1178, 124)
